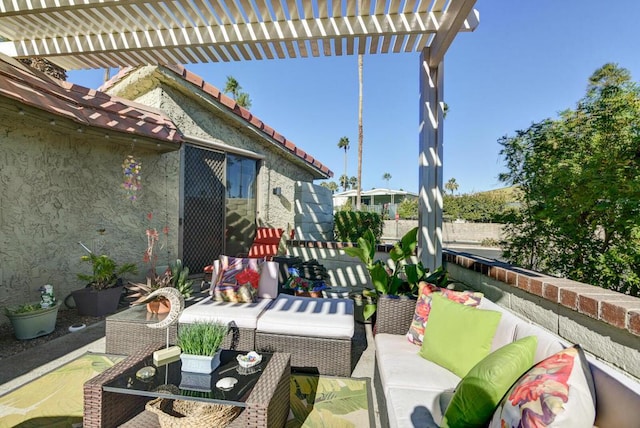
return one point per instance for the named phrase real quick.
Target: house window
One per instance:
(241, 182)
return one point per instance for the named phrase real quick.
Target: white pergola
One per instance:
(84, 34)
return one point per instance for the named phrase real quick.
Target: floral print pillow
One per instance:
(415, 334)
(237, 280)
(556, 392)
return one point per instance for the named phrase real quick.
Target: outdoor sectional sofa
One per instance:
(317, 332)
(413, 391)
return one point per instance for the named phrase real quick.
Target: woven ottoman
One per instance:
(316, 332)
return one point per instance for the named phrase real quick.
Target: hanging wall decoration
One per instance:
(131, 169)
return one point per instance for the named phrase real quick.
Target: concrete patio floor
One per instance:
(21, 368)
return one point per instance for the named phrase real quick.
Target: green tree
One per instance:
(353, 182)
(233, 87)
(451, 185)
(243, 100)
(476, 207)
(331, 185)
(343, 143)
(344, 182)
(580, 177)
(386, 177)
(408, 208)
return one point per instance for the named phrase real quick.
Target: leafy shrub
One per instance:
(408, 209)
(351, 225)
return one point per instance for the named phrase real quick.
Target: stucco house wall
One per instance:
(61, 187)
(197, 114)
(61, 170)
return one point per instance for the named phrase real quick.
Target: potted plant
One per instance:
(176, 276)
(402, 280)
(104, 288)
(36, 319)
(302, 286)
(200, 344)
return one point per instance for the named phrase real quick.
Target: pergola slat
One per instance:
(57, 29)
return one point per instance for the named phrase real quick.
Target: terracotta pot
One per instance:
(309, 293)
(162, 306)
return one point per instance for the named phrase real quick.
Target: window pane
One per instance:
(242, 174)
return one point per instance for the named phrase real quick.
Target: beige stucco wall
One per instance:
(61, 187)
(198, 116)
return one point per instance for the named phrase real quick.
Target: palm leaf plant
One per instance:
(399, 278)
(105, 272)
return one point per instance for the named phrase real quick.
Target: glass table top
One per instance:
(169, 381)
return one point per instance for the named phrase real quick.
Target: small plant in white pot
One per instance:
(200, 344)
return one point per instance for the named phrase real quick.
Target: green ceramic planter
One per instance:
(29, 325)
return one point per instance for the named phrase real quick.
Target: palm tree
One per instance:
(344, 144)
(331, 185)
(353, 182)
(233, 87)
(360, 132)
(451, 185)
(344, 182)
(386, 176)
(243, 100)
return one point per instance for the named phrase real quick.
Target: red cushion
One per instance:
(266, 235)
(263, 250)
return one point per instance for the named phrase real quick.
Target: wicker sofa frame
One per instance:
(266, 406)
(126, 335)
(321, 355)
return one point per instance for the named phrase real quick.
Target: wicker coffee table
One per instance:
(112, 399)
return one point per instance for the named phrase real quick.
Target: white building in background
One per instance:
(374, 199)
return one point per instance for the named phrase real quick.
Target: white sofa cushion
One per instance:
(308, 316)
(548, 344)
(245, 315)
(400, 366)
(505, 333)
(410, 408)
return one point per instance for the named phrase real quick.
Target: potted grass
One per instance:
(201, 344)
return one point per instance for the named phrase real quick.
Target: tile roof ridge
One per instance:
(81, 104)
(122, 72)
(83, 91)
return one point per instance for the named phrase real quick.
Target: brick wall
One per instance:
(606, 323)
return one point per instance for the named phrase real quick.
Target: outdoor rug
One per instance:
(54, 399)
(327, 401)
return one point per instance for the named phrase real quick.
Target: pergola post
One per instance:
(430, 161)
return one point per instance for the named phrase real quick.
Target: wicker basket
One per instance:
(191, 414)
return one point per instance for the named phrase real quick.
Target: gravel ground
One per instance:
(9, 345)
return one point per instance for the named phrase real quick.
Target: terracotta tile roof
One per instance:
(234, 108)
(82, 105)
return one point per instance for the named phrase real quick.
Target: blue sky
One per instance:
(526, 61)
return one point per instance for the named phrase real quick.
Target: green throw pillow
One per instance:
(457, 337)
(478, 394)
